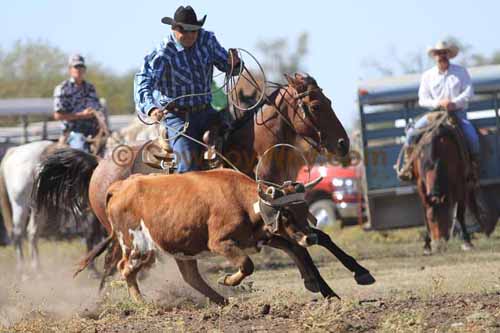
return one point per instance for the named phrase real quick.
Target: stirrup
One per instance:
(405, 176)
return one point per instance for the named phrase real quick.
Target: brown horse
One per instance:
(299, 110)
(440, 171)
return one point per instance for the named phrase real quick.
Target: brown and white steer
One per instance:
(219, 212)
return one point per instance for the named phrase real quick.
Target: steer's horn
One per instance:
(313, 183)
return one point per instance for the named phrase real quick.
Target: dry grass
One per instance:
(453, 292)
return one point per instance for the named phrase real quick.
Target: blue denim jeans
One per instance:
(188, 153)
(78, 141)
(468, 129)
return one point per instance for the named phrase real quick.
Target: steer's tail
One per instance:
(94, 253)
(63, 182)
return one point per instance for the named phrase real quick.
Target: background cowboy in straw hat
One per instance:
(448, 87)
(177, 76)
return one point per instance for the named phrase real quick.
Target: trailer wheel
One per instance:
(324, 211)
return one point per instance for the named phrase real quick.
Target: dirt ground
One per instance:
(449, 292)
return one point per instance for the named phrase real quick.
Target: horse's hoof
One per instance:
(312, 286)
(364, 279)
(467, 246)
(427, 252)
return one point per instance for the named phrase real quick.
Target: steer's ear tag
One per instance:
(256, 207)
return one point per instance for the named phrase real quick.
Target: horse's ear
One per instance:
(290, 80)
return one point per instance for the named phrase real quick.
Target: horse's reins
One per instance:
(317, 145)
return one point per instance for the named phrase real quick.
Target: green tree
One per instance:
(279, 58)
(416, 61)
(33, 68)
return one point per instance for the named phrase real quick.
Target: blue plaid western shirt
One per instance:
(172, 71)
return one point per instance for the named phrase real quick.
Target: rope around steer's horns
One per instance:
(259, 163)
(428, 130)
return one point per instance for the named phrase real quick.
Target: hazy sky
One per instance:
(343, 35)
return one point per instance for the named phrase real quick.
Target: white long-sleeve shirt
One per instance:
(454, 84)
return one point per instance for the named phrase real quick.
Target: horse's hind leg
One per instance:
(190, 273)
(467, 245)
(361, 274)
(19, 218)
(33, 232)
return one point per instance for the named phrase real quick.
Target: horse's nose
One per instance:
(342, 146)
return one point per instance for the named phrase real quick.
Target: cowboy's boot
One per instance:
(214, 143)
(406, 174)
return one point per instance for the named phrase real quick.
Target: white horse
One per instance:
(17, 172)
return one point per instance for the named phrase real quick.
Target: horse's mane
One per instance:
(269, 100)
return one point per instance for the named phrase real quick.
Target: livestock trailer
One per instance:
(386, 107)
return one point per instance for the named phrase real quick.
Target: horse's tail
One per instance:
(63, 182)
(4, 199)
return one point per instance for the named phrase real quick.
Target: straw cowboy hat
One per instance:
(443, 46)
(186, 18)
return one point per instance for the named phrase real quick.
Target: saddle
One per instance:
(451, 127)
(158, 154)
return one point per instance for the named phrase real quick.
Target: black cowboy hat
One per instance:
(186, 18)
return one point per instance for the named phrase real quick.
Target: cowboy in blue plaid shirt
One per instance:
(177, 76)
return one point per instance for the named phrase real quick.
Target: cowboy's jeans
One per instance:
(468, 129)
(78, 141)
(188, 153)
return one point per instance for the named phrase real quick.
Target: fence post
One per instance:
(44, 130)
(24, 121)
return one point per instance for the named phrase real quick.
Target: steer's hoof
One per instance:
(364, 279)
(427, 252)
(312, 286)
(223, 280)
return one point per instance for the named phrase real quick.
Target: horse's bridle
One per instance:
(318, 145)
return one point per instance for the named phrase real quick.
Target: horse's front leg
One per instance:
(361, 274)
(467, 245)
(313, 281)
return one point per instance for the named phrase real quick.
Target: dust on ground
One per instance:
(449, 292)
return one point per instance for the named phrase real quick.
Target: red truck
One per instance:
(338, 198)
